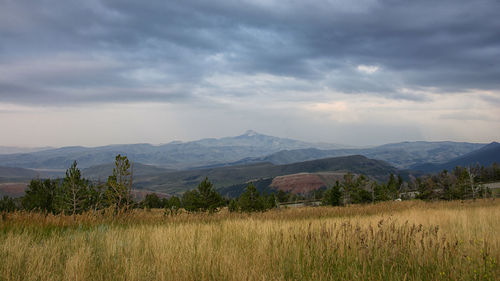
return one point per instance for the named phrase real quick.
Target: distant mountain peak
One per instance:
(250, 133)
(490, 146)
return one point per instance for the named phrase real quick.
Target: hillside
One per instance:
(16, 174)
(300, 183)
(15, 149)
(12, 189)
(485, 156)
(401, 155)
(101, 172)
(180, 181)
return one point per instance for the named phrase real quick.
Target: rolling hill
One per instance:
(8, 174)
(179, 181)
(13, 189)
(401, 155)
(300, 183)
(485, 156)
(15, 149)
(101, 172)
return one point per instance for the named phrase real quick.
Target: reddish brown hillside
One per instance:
(12, 189)
(298, 183)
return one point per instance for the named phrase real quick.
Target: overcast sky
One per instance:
(351, 72)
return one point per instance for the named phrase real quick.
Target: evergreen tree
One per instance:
(210, 199)
(119, 185)
(393, 187)
(380, 192)
(174, 202)
(269, 201)
(233, 206)
(73, 193)
(495, 171)
(333, 195)
(348, 187)
(172, 205)
(426, 188)
(205, 198)
(152, 201)
(96, 199)
(445, 183)
(250, 200)
(282, 196)
(358, 191)
(462, 184)
(41, 195)
(7, 204)
(190, 201)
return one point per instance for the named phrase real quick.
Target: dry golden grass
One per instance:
(389, 241)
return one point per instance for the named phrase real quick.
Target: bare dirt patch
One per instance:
(13, 189)
(298, 183)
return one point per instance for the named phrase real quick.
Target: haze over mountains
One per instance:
(403, 155)
(15, 149)
(250, 147)
(486, 156)
(230, 162)
(175, 155)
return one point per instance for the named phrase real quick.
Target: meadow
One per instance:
(410, 240)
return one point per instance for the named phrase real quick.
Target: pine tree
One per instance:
(7, 204)
(269, 201)
(41, 195)
(233, 206)
(190, 201)
(119, 185)
(173, 205)
(250, 200)
(210, 199)
(205, 198)
(73, 193)
(333, 195)
(152, 201)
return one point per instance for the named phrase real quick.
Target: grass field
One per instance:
(389, 241)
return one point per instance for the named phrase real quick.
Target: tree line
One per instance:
(74, 194)
(461, 183)
(205, 198)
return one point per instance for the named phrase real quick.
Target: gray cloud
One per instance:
(129, 51)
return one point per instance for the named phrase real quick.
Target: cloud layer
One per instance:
(224, 55)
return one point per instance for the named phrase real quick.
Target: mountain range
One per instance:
(402, 155)
(231, 162)
(174, 155)
(250, 147)
(15, 149)
(485, 156)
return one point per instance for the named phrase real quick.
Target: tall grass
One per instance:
(387, 241)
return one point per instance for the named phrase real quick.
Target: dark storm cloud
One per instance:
(67, 96)
(133, 47)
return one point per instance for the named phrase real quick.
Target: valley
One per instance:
(272, 163)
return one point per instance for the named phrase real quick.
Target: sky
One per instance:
(365, 72)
